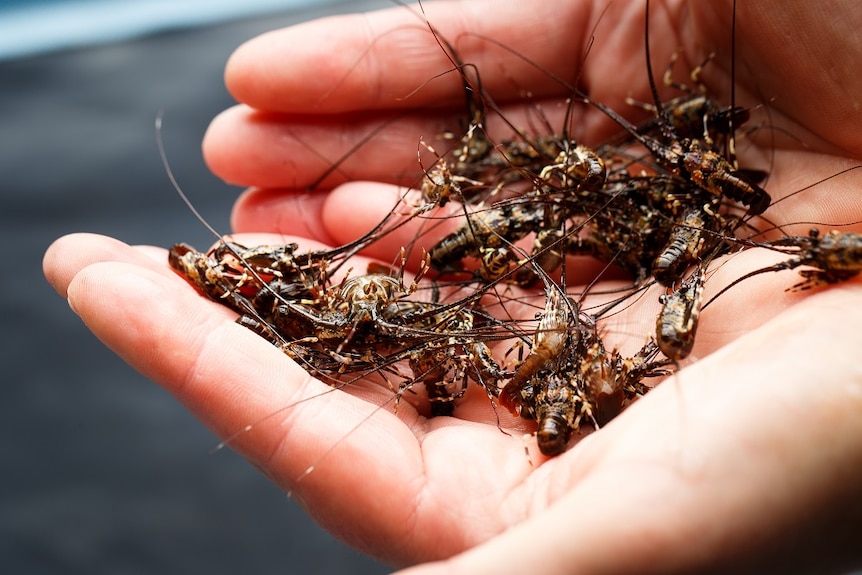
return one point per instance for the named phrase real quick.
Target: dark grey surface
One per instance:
(103, 472)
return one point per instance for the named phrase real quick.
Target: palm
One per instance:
(433, 487)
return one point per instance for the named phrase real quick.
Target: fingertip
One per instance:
(240, 76)
(53, 269)
(338, 64)
(354, 208)
(289, 212)
(247, 147)
(216, 135)
(98, 282)
(230, 147)
(294, 68)
(391, 59)
(71, 253)
(357, 208)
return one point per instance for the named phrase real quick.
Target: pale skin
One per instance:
(748, 460)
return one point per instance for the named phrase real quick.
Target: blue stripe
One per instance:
(29, 27)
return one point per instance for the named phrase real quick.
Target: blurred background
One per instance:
(102, 471)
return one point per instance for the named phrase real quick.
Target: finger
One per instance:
(250, 148)
(69, 254)
(745, 453)
(389, 58)
(281, 211)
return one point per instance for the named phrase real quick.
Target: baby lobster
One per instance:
(835, 257)
(488, 234)
(447, 354)
(676, 324)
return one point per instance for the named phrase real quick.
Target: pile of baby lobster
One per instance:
(660, 202)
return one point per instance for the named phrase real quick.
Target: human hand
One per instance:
(749, 455)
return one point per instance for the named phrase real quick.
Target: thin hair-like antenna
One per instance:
(164, 157)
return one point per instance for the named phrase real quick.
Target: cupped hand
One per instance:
(745, 460)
